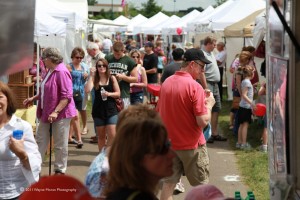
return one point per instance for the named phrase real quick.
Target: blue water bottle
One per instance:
(18, 134)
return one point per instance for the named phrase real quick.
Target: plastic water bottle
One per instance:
(104, 97)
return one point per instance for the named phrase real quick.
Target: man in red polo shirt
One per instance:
(185, 109)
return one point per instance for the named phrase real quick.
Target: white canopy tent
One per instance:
(171, 29)
(133, 22)
(156, 30)
(67, 11)
(122, 20)
(151, 22)
(199, 24)
(237, 11)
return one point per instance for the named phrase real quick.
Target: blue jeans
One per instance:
(136, 98)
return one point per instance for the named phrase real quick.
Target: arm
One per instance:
(151, 71)
(203, 120)
(144, 79)
(30, 100)
(262, 90)
(133, 78)
(90, 83)
(203, 80)
(116, 94)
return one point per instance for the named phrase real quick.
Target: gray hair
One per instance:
(92, 45)
(53, 54)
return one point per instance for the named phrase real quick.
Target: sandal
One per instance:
(84, 131)
(219, 138)
(79, 145)
(73, 141)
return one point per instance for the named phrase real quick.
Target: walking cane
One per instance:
(50, 130)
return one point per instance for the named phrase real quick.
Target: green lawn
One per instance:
(252, 164)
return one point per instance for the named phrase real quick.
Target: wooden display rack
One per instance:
(22, 91)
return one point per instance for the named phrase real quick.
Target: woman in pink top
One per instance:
(56, 106)
(136, 89)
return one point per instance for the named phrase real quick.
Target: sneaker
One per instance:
(263, 148)
(245, 146)
(219, 138)
(210, 140)
(179, 188)
(238, 145)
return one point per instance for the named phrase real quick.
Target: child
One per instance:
(246, 106)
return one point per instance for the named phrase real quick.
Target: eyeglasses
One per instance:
(201, 65)
(79, 57)
(100, 66)
(135, 57)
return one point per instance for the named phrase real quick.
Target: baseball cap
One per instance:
(207, 192)
(57, 187)
(195, 54)
(149, 44)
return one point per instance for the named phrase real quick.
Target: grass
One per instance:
(252, 164)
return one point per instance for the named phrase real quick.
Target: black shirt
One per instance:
(104, 109)
(150, 62)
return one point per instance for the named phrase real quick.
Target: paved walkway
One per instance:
(223, 168)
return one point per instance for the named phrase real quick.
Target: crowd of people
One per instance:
(136, 140)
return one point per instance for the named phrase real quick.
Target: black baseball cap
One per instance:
(195, 54)
(149, 44)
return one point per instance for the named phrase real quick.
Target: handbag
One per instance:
(236, 102)
(119, 104)
(77, 95)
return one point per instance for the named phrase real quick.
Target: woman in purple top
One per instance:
(56, 106)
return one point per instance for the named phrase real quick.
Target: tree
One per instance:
(150, 8)
(219, 2)
(91, 2)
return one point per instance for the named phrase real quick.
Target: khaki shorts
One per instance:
(193, 163)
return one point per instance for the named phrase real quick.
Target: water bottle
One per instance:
(104, 97)
(18, 134)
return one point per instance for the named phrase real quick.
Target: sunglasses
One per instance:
(100, 66)
(201, 65)
(165, 148)
(79, 57)
(135, 57)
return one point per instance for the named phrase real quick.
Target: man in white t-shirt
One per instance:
(221, 60)
(106, 46)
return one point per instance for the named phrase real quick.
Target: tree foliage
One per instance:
(219, 2)
(91, 2)
(150, 8)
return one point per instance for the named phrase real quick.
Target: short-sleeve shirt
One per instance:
(150, 62)
(181, 100)
(221, 57)
(212, 72)
(246, 83)
(122, 66)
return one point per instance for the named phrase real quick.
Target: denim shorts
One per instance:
(103, 122)
(136, 98)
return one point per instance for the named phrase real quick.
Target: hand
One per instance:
(93, 71)
(17, 147)
(52, 117)
(120, 77)
(107, 94)
(27, 101)
(85, 75)
(231, 70)
(210, 100)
